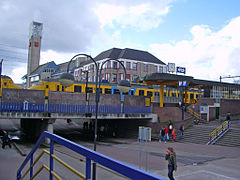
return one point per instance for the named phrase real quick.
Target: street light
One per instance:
(69, 79)
(1, 80)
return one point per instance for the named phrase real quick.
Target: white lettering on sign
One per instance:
(181, 70)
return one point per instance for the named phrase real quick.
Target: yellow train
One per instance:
(6, 82)
(171, 95)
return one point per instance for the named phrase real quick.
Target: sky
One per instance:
(201, 35)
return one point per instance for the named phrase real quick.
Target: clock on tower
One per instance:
(36, 29)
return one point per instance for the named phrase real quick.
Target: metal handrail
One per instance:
(47, 168)
(90, 155)
(192, 112)
(218, 131)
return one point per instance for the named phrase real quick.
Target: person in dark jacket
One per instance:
(162, 135)
(172, 162)
(6, 140)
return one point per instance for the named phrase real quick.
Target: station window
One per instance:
(57, 87)
(77, 88)
(165, 94)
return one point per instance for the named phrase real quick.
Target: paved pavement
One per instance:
(195, 161)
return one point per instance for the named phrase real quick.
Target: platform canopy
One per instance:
(174, 79)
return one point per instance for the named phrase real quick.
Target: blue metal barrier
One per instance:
(90, 155)
(72, 108)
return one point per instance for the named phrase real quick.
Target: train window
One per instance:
(77, 88)
(141, 92)
(57, 87)
(149, 93)
(100, 91)
(62, 88)
(165, 94)
(5, 83)
(191, 96)
(196, 95)
(116, 91)
(108, 91)
(89, 89)
(46, 86)
(156, 94)
(173, 94)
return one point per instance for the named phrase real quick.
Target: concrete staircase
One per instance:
(198, 134)
(232, 137)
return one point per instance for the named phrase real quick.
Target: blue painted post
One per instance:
(31, 169)
(51, 159)
(88, 168)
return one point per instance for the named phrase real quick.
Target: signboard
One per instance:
(204, 108)
(171, 67)
(181, 70)
(182, 84)
(144, 133)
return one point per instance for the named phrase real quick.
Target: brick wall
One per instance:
(21, 95)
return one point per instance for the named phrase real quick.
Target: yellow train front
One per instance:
(7, 83)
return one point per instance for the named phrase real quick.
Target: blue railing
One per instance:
(90, 155)
(72, 108)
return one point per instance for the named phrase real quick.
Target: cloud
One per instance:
(143, 15)
(208, 54)
(67, 27)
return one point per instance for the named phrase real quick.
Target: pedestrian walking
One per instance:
(173, 135)
(162, 136)
(181, 131)
(166, 130)
(170, 127)
(228, 116)
(6, 140)
(172, 162)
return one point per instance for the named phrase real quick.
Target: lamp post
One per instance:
(67, 80)
(1, 80)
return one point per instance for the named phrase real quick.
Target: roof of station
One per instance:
(173, 79)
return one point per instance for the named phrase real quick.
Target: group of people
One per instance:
(168, 132)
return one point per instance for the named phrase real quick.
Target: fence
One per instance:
(72, 108)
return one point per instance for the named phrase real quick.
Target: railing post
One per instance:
(51, 159)
(88, 168)
(31, 169)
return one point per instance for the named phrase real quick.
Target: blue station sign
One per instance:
(181, 70)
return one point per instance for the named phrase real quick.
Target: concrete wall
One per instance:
(37, 96)
(168, 113)
(105, 99)
(21, 95)
(229, 105)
